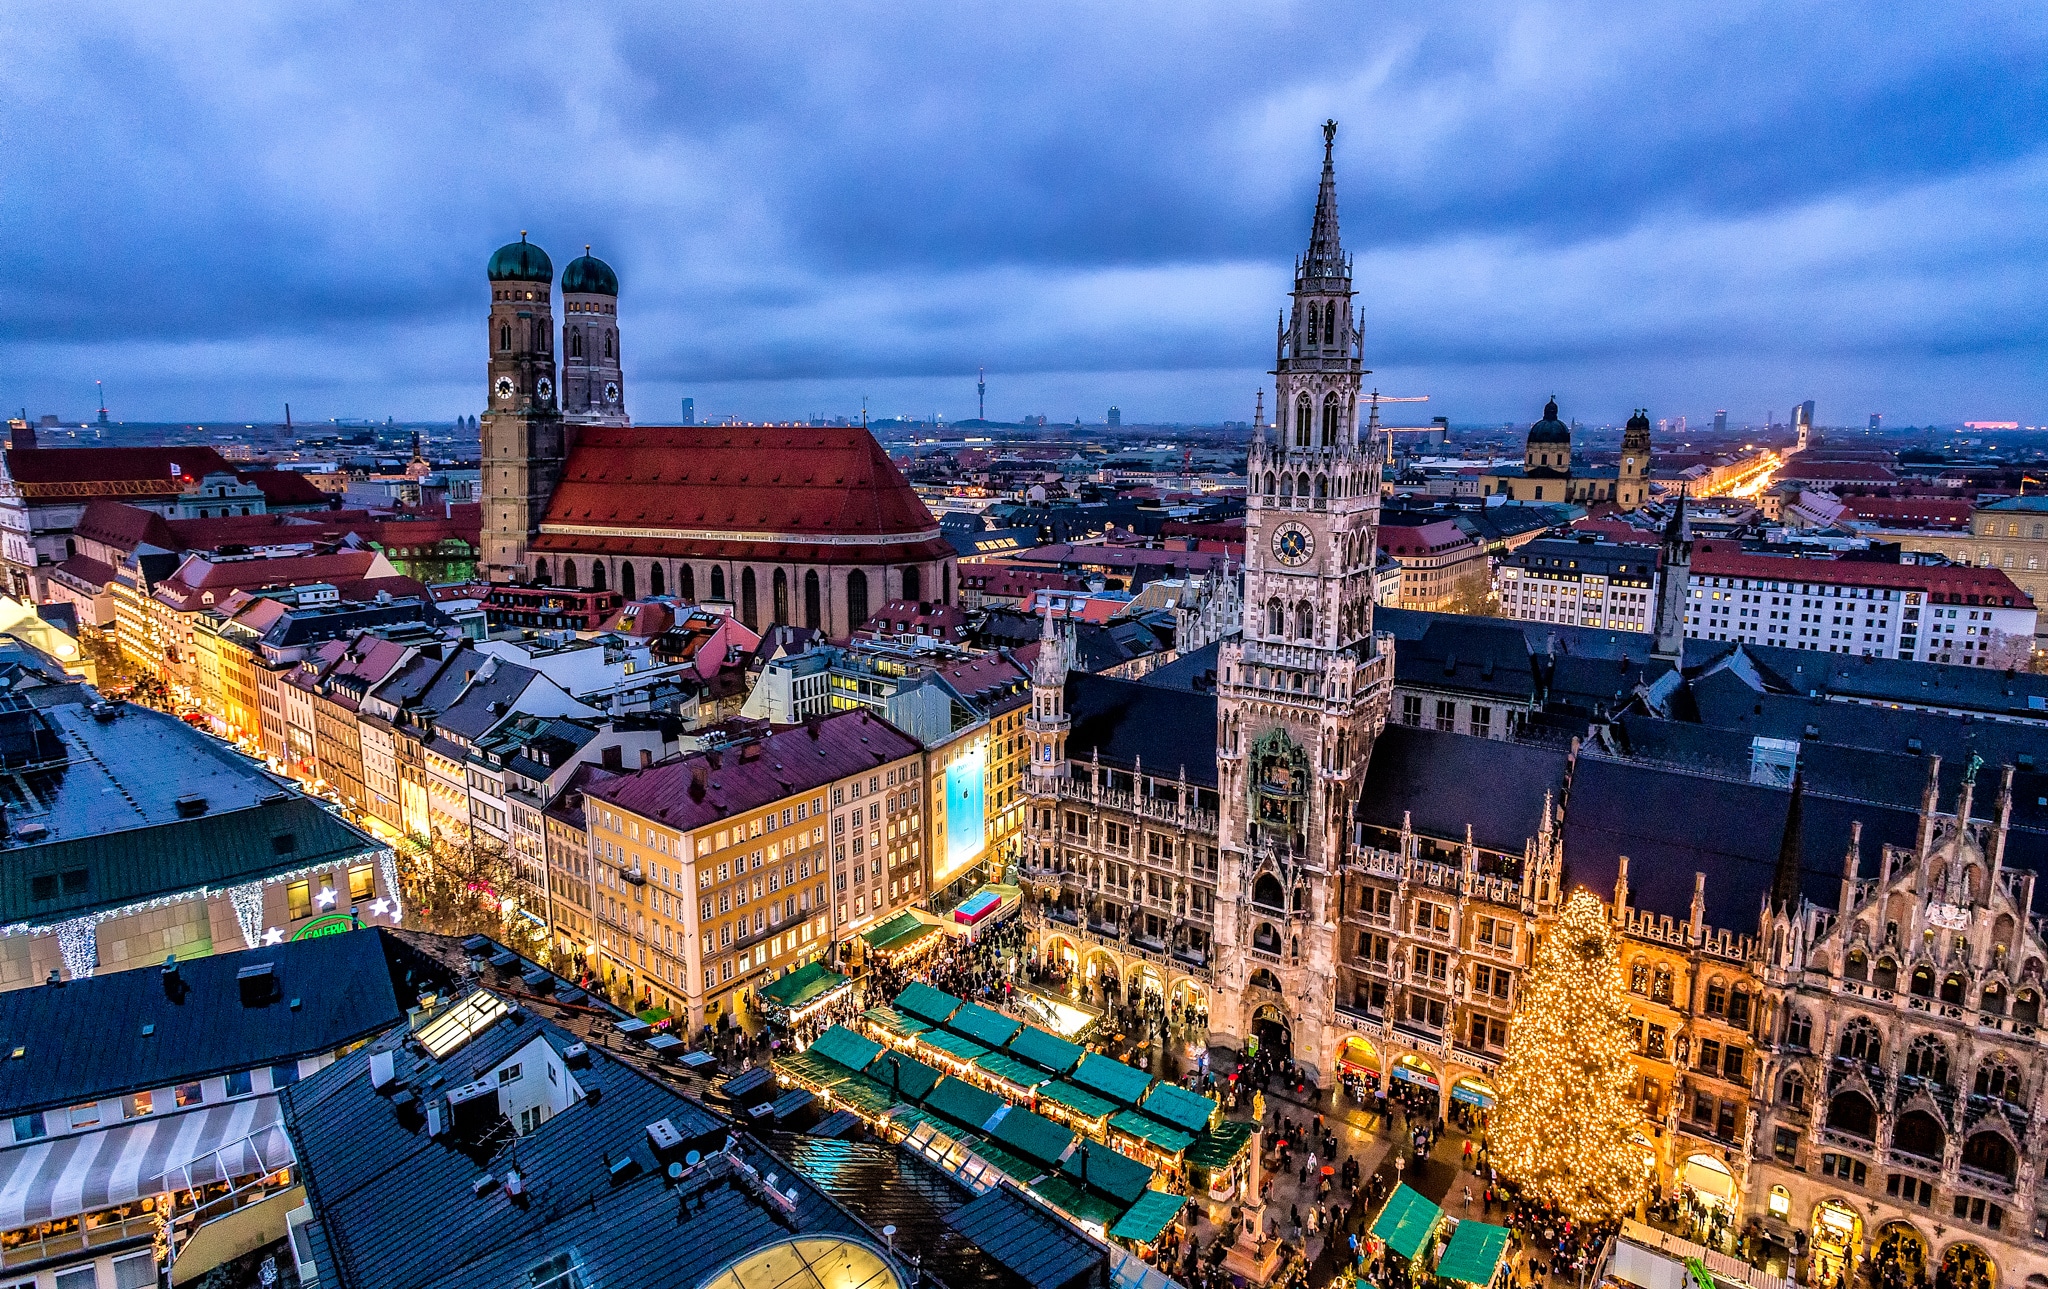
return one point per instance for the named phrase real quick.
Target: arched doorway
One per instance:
(1414, 1081)
(1358, 1068)
(1100, 979)
(1146, 987)
(1473, 1091)
(1965, 1266)
(1836, 1233)
(1270, 1028)
(1710, 1180)
(1899, 1254)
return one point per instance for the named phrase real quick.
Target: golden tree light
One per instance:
(1563, 1125)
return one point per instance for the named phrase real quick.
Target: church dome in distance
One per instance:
(589, 275)
(1639, 423)
(1550, 429)
(521, 261)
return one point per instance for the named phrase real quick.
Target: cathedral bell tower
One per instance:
(593, 390)
(1304, 691)
(523, 441)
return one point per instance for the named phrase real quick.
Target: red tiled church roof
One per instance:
(116, 465)
(732, 487)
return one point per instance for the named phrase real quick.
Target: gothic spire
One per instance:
(1325, 258)
(1785, 881)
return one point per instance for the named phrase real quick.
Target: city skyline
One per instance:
(1686, 223)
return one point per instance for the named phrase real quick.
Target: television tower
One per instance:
(981, 393)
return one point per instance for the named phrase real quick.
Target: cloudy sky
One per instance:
(219, 209)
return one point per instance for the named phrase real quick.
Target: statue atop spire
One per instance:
(1325, 258)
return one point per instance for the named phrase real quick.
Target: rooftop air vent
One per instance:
(191, 805)
(383, 1070)
(258, 984)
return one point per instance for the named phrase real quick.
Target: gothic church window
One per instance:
(717, 582)
(1331, 409)
(505, 336)
(627, 581)
(597, 576)
(1274, 627)
(1660, 985)
(686, 582)
(747, 603)
(575, 344)
(1304, 621)
(657, 581)
(1860, 1042)
(1923, 981)
(813, 607)
(781, 597)
(1792, 1090)
(1639, 971)
(608, 344)
(913, 583)
(1927, 1059)
(1953, 987)
(1998, 1077)
(569, 573)
(1304, 417)
(856, 598)
(1799, 1031)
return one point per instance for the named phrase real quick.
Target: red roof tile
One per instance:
(707, 787)
(706, 482)
(123, 527)
(84, 466)
(286, 488)
(1954, 583)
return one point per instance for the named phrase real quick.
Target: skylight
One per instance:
(461, 1022)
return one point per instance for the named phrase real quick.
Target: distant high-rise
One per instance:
(981, 393)
(1877, 420)
(1802, 422)
(689, 411)
(1116, 416)
(1721, 421)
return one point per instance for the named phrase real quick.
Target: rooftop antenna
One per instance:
(981, 393)
(863, 411)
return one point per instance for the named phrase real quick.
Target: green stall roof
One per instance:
(1147, 1129)
(1010, 1069)
(1070, 1196)
(1173, 1104)
(1079, 1100)
(953, 1045)
(1112, 1078)
(846, 1047)
(1221, 1146)
(1116, 1175)
(894, 1021)
(1406, 1222)
(1032, 1135)
(900, 930)
(1048, 1050)
(990, 1028)
(862, 1093)
(1474, 1253)
(805, 985)
(1011, 1164)
(1153, 1213)
(963, 1104)
(933, 1006)
(813, 1068)
(909, 1077)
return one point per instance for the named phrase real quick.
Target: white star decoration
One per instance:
(380, 907)
(273, 936)
(326, 897)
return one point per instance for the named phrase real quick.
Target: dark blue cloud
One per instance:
(1690, 206)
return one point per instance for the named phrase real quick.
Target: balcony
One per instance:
(1984, 1181)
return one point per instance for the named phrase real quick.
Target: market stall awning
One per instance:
(1080, 1100)
(1033, 1136)
(1406, 1222)
(1474, 1253)
(1173, 1104)
(902, 931)
(1011, 1070)
(1112, 1078)
(953, 1045)
(1221, 1146)
(812, 1068)
(910, 1078)
(989, 1028)
(1047, 1050)
(963, 1104)
(846, 1047)
(1077, 1201)
(988, 904)
(863, 1094)
(59, 1177)
(932, 1006)
(891, 1021)
(1116, 1175)
(1151, 1131)
(1152, 1214)
(802, 987)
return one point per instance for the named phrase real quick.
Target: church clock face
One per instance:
(544, 389)
(611, 392)
(1293, 545)
(504, 387)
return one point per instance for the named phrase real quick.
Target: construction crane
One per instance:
(1373, 421)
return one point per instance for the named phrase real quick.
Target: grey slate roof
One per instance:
(1446, 781)
(395, 1206)
(1125, 722)
(83, 1041)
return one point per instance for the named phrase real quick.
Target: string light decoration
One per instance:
(247, 900)
(1563, 1124)
(387, 868)
(78, 942)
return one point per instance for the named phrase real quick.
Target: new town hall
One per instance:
(1830, 936)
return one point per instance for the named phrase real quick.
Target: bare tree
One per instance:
(469, 885)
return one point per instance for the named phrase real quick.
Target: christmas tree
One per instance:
(1563, 1125)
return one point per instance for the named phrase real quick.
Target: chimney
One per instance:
(612, 758)
(646, 758)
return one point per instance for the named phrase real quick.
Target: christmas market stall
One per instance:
(802, 993)
(1147, 1220)
(1475, 1254)
(905, 938)
(1220, 1162)
(1405, 1226)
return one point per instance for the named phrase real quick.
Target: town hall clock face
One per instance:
(1293, 545)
